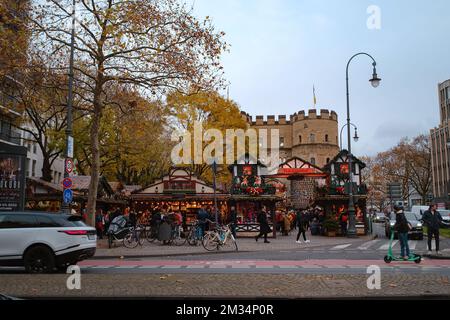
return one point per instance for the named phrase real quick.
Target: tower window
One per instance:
(299, 139)
(326, 138)
(312, 138)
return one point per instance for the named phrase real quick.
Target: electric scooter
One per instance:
(391, 257)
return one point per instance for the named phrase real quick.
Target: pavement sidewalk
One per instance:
(234, 286)
(281, 243)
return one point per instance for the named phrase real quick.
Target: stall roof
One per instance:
(343, 156)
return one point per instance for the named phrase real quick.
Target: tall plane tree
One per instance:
(151, 45)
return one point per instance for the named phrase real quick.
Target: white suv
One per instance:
(44, 241)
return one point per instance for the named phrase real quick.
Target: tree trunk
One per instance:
(46, 169)
(95, 167)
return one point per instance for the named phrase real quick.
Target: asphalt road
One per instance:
(304, 271)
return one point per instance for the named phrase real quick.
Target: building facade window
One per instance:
(33, 168)
(313, 161)
(27, 167)
(299, 139)
(312, 138)
(34, 148)
(326, 138)
(281, 142)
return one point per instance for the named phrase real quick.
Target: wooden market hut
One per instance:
(180, 191)
(249, 193)
(334, 196)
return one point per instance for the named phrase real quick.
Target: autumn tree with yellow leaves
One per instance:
(214, 112)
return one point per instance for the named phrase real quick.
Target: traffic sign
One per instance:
(67, 183)
(68, 196)
(69, 166)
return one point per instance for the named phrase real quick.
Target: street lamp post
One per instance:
(214, 169)
(355, 138)
(375, 81)
(65, 207)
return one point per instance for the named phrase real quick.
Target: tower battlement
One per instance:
(313, 114)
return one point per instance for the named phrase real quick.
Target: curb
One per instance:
(435, 257)
(95, 257)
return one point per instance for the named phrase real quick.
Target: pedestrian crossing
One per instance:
(383, 245)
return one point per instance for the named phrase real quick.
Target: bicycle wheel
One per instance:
(151, 234)
(131, 240)
(230, 244)
(210, 241)
(191, 238)
(142, 236)
(178, 238)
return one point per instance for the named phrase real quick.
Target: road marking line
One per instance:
(149, 267)
(386, 246)
(342, 246)
(171, 267)
(367, 245)
(218, 266)
(196, 267)
(126, 267)
(336, 267)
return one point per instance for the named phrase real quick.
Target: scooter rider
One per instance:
(402, 226)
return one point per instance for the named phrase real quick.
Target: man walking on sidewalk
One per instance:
(433, 220)
(264, 227)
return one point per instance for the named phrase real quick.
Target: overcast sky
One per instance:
(280, 48)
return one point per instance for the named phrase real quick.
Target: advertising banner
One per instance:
(10, 183)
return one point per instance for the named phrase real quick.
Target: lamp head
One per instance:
(356, 138)
(375, 81)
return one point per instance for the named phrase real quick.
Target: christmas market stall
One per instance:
(334, 197)
(249, 193)
(179, 191)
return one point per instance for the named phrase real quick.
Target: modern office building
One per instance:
(440, 148)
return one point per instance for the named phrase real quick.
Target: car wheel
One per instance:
(39, 259)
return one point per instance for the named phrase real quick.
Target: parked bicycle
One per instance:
(194, 236)
(221, 237)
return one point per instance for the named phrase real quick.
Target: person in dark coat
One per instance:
(233, 221)
(202, 217)
(433, 220)
(402, 226)
(301, 221)
(264, 227)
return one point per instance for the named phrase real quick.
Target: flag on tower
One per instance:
(314, 94)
